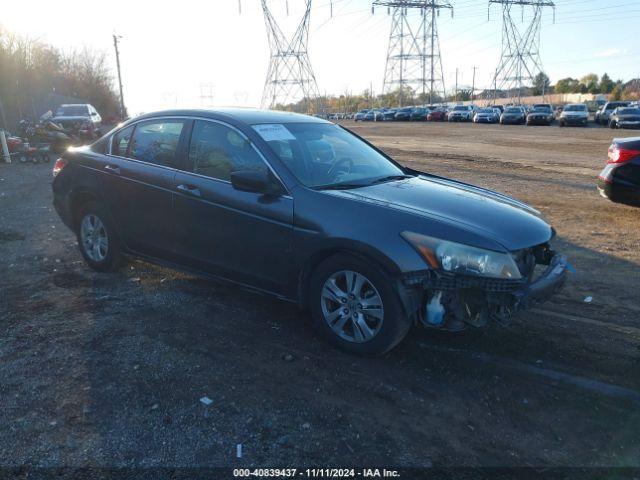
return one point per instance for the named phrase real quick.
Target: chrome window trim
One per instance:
(190, 117)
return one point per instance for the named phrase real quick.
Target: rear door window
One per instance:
(120, 142)
(156, 142)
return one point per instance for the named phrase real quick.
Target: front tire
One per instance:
(354, 306)
(97, 238)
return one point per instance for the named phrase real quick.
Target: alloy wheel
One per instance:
(352, 306)
(93, 235)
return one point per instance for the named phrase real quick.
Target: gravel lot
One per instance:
(107, 370)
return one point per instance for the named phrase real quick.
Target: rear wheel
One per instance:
(97, 238)
(354, 306)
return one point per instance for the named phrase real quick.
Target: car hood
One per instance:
(499, 218)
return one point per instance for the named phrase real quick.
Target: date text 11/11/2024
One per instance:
(317, 472)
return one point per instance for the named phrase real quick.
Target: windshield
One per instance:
(72, 111)
(460, 108)
(513, 110)
(324, 155)
(629, 111)
(485, 110)
(541, 108)
(575, 108)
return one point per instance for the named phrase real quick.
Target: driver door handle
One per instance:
(189, 190)
(112, 169)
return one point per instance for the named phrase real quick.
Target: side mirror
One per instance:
(94, 114)
(255, 181)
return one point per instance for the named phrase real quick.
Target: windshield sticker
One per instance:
(273, 131)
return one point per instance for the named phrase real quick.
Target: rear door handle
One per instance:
(189, 189)
(112, 169)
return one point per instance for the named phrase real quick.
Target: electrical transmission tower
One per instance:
(290, 77)
(520, 58)
(413, 59)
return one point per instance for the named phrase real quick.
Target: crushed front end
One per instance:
(451, 300)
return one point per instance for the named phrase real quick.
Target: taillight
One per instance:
(621, 155)
(59, 165)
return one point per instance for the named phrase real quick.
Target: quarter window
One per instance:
(217, 150)
(120, 142)
(156, 142)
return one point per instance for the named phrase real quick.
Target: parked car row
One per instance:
(431, 113)
(612, 114)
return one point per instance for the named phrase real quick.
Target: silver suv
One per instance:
(80, 117)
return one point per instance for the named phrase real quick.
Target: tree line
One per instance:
(348, 102)
(32, 73)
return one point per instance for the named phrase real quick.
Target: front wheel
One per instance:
(354, 306)
(97, 238)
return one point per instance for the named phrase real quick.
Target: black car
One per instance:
(419, 114)
(305, 210)
(403, 114)
(620, 179)
(625, 117)
(389, 115)
(541, 114)
(513, 116)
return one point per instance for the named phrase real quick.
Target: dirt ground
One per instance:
(107, 370)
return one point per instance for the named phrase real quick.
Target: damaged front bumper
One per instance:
(437, 298)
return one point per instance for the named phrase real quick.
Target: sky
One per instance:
(214, 53)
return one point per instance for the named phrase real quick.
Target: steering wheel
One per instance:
(333, 171)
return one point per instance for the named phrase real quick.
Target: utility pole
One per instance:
(520, 58)
(2, 117)
(413, 57)
(456, 100)
(116, 39)
(473, 84)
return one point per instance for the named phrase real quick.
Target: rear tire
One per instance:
(97, 238)
(357, 326)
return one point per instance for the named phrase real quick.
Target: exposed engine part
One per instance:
(435, 310)
(502, 315)
(444, 309)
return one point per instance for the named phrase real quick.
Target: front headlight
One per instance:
(463, 259)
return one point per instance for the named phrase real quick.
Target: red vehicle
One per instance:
(437, 116)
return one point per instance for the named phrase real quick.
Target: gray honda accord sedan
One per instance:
(308, 211)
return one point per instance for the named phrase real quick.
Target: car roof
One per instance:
(249, 116)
